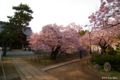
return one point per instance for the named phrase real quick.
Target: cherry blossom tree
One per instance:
(56, 38)
(104, 19)
(108, 15)
(102, 38)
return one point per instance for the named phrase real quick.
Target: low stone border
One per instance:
(62, 64)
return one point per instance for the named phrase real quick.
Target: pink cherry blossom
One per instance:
(56, 38)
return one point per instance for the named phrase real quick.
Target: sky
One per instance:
(61, 12)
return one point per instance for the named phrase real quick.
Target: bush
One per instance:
(118, 51)
(101, 59)
(118, 54)
(106, 50)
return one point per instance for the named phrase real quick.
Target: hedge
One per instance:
(114, 60)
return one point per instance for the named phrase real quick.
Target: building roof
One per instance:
(1, 22)
(27, 32)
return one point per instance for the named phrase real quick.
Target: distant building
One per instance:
(20, 42)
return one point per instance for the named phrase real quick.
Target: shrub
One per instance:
(106, 50)
(101, 59)
(118, 51)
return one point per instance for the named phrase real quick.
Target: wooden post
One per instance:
(35, 59)
(39, 60)
(87, 62)
(38, 57)
(45, 62)
(23, 46)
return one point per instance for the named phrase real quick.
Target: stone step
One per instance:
(19, 53)
(18, 50)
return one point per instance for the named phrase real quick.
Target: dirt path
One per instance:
(76, 71)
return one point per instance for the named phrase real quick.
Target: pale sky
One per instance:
(61, 12)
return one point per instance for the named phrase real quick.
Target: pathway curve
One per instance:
(62, 64)
(29, 72)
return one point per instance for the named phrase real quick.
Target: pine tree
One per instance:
(20, 20)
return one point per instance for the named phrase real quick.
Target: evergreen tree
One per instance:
(20, 20)
(83, 32)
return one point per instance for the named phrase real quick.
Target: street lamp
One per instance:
(90, 43)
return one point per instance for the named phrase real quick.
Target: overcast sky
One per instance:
(61, 12)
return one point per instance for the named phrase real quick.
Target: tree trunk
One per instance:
(111, 50)
(5, 48)
(3, 44)
(103, 51)
(54, 53)
(80, 54)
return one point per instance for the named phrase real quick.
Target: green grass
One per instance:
(90, 63)
(45, 62)
(114, 73)
(102, 70)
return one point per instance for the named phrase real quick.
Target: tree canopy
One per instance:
(102, 38)
(56, 38)
(107, 16)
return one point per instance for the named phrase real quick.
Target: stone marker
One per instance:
(97, 67)
(107, 67)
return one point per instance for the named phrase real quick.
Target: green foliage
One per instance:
(83, 42)
(118, 54)
(118, 51)
(101, 59)
(113, 75)
(102, 70)
(16, 23)
(82, 32)
(45, 62)
(19, 21)
(113, 72)
(106, 50)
